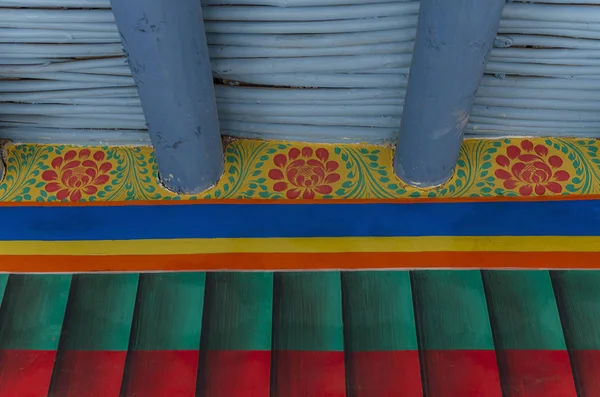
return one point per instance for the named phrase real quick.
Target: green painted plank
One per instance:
(100, 312)
(578, 299)
(33, 311)
(3, 283)
(307, 313)
(451, 310)
(523, 310)
(168, 314)
(378, 311)
(238, 311)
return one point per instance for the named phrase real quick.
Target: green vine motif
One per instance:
(379, 180)
(239, 170)
(466, 172)
(587, 174)
(130, 179)
(365, 176)
(351, 187)
(259, 184)
(23, 168)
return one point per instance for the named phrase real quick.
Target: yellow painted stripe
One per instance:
(286, 245)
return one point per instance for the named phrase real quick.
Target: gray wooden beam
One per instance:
(168, 56)
(454, 39)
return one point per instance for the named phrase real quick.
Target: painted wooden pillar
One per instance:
(95, 336)
(168, 56)
(454, 39)
(165, 336)
(454, 334)
(578, 299)
(382, 358)
(236, 335)
(308, 335)
(31, 320)
(530, 344)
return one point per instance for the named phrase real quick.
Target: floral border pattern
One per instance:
(278, 170)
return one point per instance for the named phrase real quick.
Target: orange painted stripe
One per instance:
(301, 261)
(573, 197)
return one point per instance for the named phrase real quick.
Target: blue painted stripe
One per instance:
(558, 218)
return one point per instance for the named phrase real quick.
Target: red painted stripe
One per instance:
(308, 374)
(384, 374)
(235, 373)
(162, 373)
(26, 373)
(460, 373)
(536, 373)
(89, 373)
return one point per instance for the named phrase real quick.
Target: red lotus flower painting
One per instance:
(530, 170)
(77, 174)
(304, 173)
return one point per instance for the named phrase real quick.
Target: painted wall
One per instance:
(541, 79)
(355, 334)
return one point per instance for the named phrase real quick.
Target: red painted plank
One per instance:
(384, 373)
(536, 373)
(461, 373)
(236, 373)
(91, 373)
(586, 366)
(309, 374)
(26, 373)
(162, 373)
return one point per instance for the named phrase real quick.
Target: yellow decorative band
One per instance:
(303, 245)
